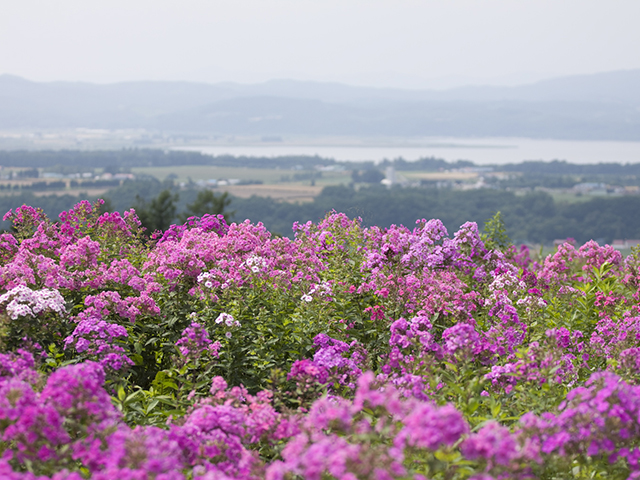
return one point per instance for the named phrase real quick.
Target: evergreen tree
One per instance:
(159, 213)
(208, 202)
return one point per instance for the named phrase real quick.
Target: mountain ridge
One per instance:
(598, 106)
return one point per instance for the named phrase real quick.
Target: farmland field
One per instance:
(203, 172)
(287, 192)
(280, 184)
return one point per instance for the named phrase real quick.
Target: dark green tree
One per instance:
(28, 173)
(367, 176)
(159, 213)
(107, 206)
(208, 202)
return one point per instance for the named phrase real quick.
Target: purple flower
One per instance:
(429, 426)
(493, 443)
(77, 393)
(195, 341)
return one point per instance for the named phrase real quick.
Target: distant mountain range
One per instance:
(604, 106)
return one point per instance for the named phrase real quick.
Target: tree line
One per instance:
(534, 217)
(116, 160)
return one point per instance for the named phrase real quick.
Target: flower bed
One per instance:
(215, 351)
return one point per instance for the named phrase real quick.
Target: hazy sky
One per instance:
(400, 43)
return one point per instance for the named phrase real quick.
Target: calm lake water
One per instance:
(480, 151)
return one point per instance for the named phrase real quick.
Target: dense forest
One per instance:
(127, 158)
(533, 217)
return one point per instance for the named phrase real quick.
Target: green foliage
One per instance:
(208, 202)
(495, 235)
(159, 213)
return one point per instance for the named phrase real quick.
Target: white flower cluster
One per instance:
(530, 301)
(256, 263)
(320, 289)
(228, 320)
(204, 277)
(506, 284)
(22, 301)
(208, 279)
(506, 279)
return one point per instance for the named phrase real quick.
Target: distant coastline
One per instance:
(481, 151)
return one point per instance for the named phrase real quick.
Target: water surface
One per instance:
(480, 151)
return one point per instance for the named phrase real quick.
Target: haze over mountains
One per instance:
(604, 106)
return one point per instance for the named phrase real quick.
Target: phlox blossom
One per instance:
(227, 318)
(22, 301)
